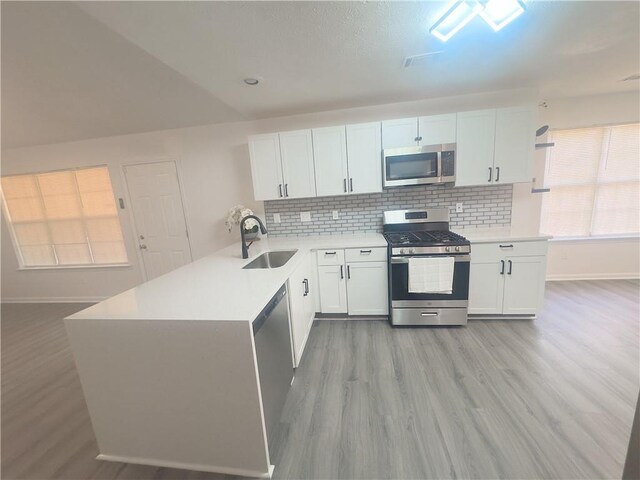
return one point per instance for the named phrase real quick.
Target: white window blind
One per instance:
(594, 177)
(64, 218)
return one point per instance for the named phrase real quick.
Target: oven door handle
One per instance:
(457, 258)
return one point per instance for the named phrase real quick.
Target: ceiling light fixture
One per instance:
(500, 13)
(251, 81)
(457, 16)
(497, 13)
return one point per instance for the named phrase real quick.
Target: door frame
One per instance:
(127, 198)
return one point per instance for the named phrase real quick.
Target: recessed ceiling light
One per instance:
(631, 77)
(251, 81)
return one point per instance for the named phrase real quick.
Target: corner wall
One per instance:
(589, 258)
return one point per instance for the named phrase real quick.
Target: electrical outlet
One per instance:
(458, 207)
(276, 218)
(335, 214)
(305, 216)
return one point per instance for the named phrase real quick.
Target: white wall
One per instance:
(214, 164)
(590, 258)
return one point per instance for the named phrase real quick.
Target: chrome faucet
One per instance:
(245, 247)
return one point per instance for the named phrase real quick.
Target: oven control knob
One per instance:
(457, 249)
(447, 249)
(402, 251)
(412, 250)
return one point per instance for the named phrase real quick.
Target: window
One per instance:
(594, 177)
(64, 218)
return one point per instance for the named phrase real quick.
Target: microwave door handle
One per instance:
(439, 174)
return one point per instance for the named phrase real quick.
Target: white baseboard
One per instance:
(187, 466)
(52, 299)
(592, 276)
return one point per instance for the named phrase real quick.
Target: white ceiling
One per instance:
(72, 71)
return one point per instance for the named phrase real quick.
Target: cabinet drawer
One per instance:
(330, 257)
(496, 251)
(378, 254)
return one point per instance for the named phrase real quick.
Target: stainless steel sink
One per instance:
(271, 259)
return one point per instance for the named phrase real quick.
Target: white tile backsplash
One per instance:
(483, 206)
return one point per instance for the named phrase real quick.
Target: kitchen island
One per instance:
(169, 368)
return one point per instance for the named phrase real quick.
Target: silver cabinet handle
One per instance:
(349, 272)
(510, 267)
(429, 314)
(490, 174)
(286, 189)
(280, 190)
(351, 184)
(341, 272)
(344, 184)
(507, 246)
(305, 283)
(501, 267)
(365, 251)
(330, 253)
(497, 174)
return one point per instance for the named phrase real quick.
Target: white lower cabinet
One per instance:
(507, 278)
(357, 286)
(367, 288)
(302, 305)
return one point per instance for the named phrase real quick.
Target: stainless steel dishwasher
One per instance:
(275, 363)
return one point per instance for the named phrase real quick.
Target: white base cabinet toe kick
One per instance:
(507, 278)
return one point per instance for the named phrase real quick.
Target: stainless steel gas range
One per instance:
(424, 233)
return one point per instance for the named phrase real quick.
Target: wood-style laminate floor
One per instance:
(550, 398)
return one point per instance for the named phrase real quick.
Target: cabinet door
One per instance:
(515, 144)
(301, 306)
(475, 139)
(266, 170)
(400, 133)
(486, 287)
(297, 164)
(524, 285)
(330, 160)
(367, 289)
(437, 129)
(333, 289)
(364, 155)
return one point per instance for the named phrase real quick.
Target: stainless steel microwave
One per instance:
(419, 165)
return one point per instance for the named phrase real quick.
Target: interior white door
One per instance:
(515, 144)
(437, 129)
(330, 160)
(486, 287)
(524, 285)
(332, 288)
(266, 168)
(476, 133)
(296, 152)
(364, 155)
(158, 213)
(367, 292)
(400, 133)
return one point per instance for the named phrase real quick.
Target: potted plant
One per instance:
(235, 216)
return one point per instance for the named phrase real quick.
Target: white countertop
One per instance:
(504, 234)
(216, 287)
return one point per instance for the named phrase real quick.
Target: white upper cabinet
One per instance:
(515, 144)
(437, 129)
(476, 133)
(330, 159)
(296, 152)
(400, 133)
(364, 154)
(266, 170)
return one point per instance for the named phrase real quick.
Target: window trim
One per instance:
(14, 241)
(596, 184)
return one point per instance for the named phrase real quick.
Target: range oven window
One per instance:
(400, 284)
(415, 165)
